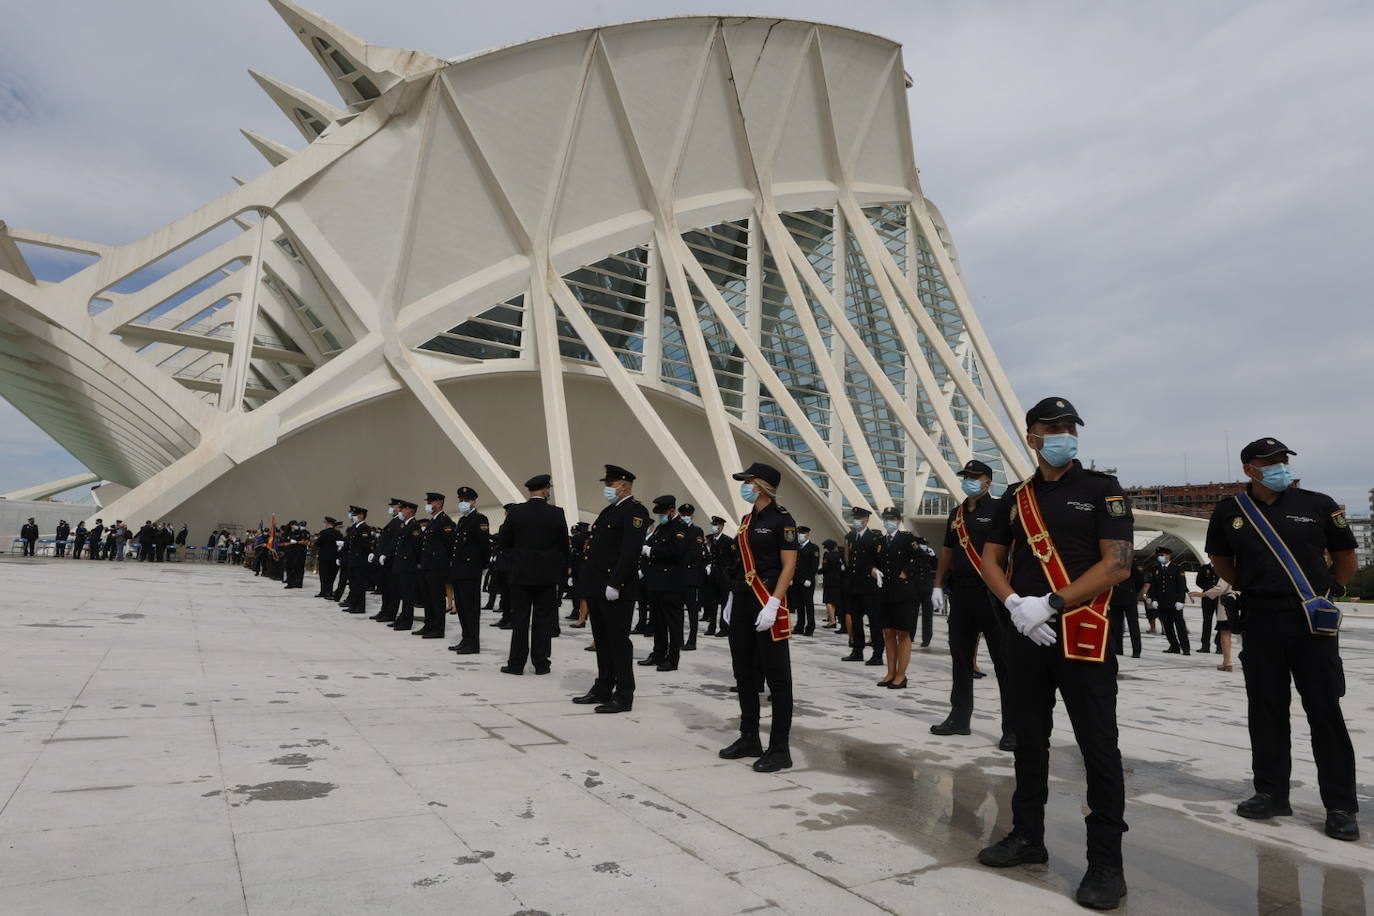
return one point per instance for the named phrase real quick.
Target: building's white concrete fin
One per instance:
(53, 487)
(307, 113)
(275, 153)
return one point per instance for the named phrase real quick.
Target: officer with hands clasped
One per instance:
(1165, 592)
(666, 554)
(1289, 551)
(1068, 533)
(760, 622)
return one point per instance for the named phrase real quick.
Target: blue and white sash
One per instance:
(1323, 616)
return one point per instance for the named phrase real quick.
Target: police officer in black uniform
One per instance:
(578, 542)
(436, 558)
(665, 582)
(901, 561)
(358, 544)
(1207, 578)
(610, 583)
(63, 532)
(535, 538)
(382, 553)
(1089, 524)
(1278, 642)
(720, 548)
(405, 566)
(801, 597)
(1167, 589)
(972, 610)
(29, 534)
(327, 543)
(295, 545)
(862, 599)
(1125, 613)
(754, 652)
(471, 550)
(697, 561)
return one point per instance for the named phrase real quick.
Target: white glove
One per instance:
(1043, 635)
(382, 560)
(339, 561)
(612, 593)
(768, 616)
(1152, 605)
(1178, 605)
(729, 602)
(708, 569)
(937, 596)
(806, 584)
(878, 574)
(647, 550)
(1012, 601)
(1030, 613)
(641, 574)
(371, 557)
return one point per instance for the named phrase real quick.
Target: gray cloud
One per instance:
(1162, 209)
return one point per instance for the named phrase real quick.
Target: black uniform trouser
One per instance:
(467, 598)
(869, 607)
(1175, 628)
(645, 618)
(713, 597)
(329, 571)
(93, 550)
(28, 546)
(972, 612)
(1089, 692)
(533, 616)
(615, 669)
(407, 586)
(925, 608)
(803, 600)
(61, 548)
(76, 550)
(1276, 647)
(294, 567)
(343, 581)
(358, 575)
(1209, 611)
(391, 593)
(145, 552)
(1124, 616)
(432, 585)
(691, 600)
(754, 655)
(666, 614)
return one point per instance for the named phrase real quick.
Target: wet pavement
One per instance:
(189, 739)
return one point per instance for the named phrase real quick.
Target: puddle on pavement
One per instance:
(294, 761)
(284, 790)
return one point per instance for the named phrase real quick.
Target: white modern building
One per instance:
(677, 245)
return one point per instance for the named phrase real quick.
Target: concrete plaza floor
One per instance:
(189, 739)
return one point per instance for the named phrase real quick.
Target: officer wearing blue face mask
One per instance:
(862, 588)
(1058, 543)
(1283, 643)
(665, 582)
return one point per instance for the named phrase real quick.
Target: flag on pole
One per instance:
(272, 538)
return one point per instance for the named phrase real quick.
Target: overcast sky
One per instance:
(1164, 210)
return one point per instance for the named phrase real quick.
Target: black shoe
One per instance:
(950, 727)
(744, 746)
(926, 644)
(453, 648)
(357, 610)
(614, 706)
(1013, 849)
(376, 616)
(897, 685)
(809, 631)
(433, 636)
(385, 619)
(773, 759)
(1341, 825)
(875, 661)
(403, 625)
(542, 670)
(853, 657)
(689, 646)
(1262, 805)
(505, 626)
(577, 626)
(885, 682)
(1102, 888)
(647, 662)
(421, 632)
(710, 631)
(1008, 742)
(978, 674)
(1203, 651)
(589, 648)
(666, 666)
(467, 649)
(511, 669)
(1135, 655)
(587, 699)
(1172, 651)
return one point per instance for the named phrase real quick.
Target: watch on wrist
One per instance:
(1055, 601)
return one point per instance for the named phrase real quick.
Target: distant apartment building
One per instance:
(1195, 499)
(1362, 526)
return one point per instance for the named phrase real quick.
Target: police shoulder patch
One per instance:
(681, 534)
(448, 528)
(485, 527)
(789, 534)
(1338, 517)
(637, 522)
(1237, 522)
(1116, 506)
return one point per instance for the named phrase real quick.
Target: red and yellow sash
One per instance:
(782, 627)
(961, 532)
(1082, 630)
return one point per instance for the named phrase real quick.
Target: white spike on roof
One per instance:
(299, 106)
(274, 152)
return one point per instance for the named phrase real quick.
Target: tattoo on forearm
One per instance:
(1120, 555)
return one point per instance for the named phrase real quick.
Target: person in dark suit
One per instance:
(93, 539)
(28, 532)
(327, 556)
(358, 544)
(405, 566)
(862, 598)
(471, 549)
(610, 584)
(295, 544)
(64, 531)
(801, 594)
(534, 537)
(79, 540)
(719, 550)
(578, 541)
(147, 538)
(436, 557)
(383, 550)
(665, 553)
(1167, 590)
(180, 541)
(697, 562)
(899, 559)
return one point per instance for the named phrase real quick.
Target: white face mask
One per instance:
(610, 494)
(391, 511)
(687, 519)
(464, 508)
(429, 508)
(803, 539)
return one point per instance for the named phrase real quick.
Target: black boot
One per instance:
(1013, 849)
(744, 746)
(774, 759)
(1102, 888)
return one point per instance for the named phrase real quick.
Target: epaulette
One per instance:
(1096, 473)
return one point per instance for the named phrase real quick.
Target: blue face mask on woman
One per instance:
(1277, 477)
(610, 494)
(746, 492)
(971, 486)
(1058, 449)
